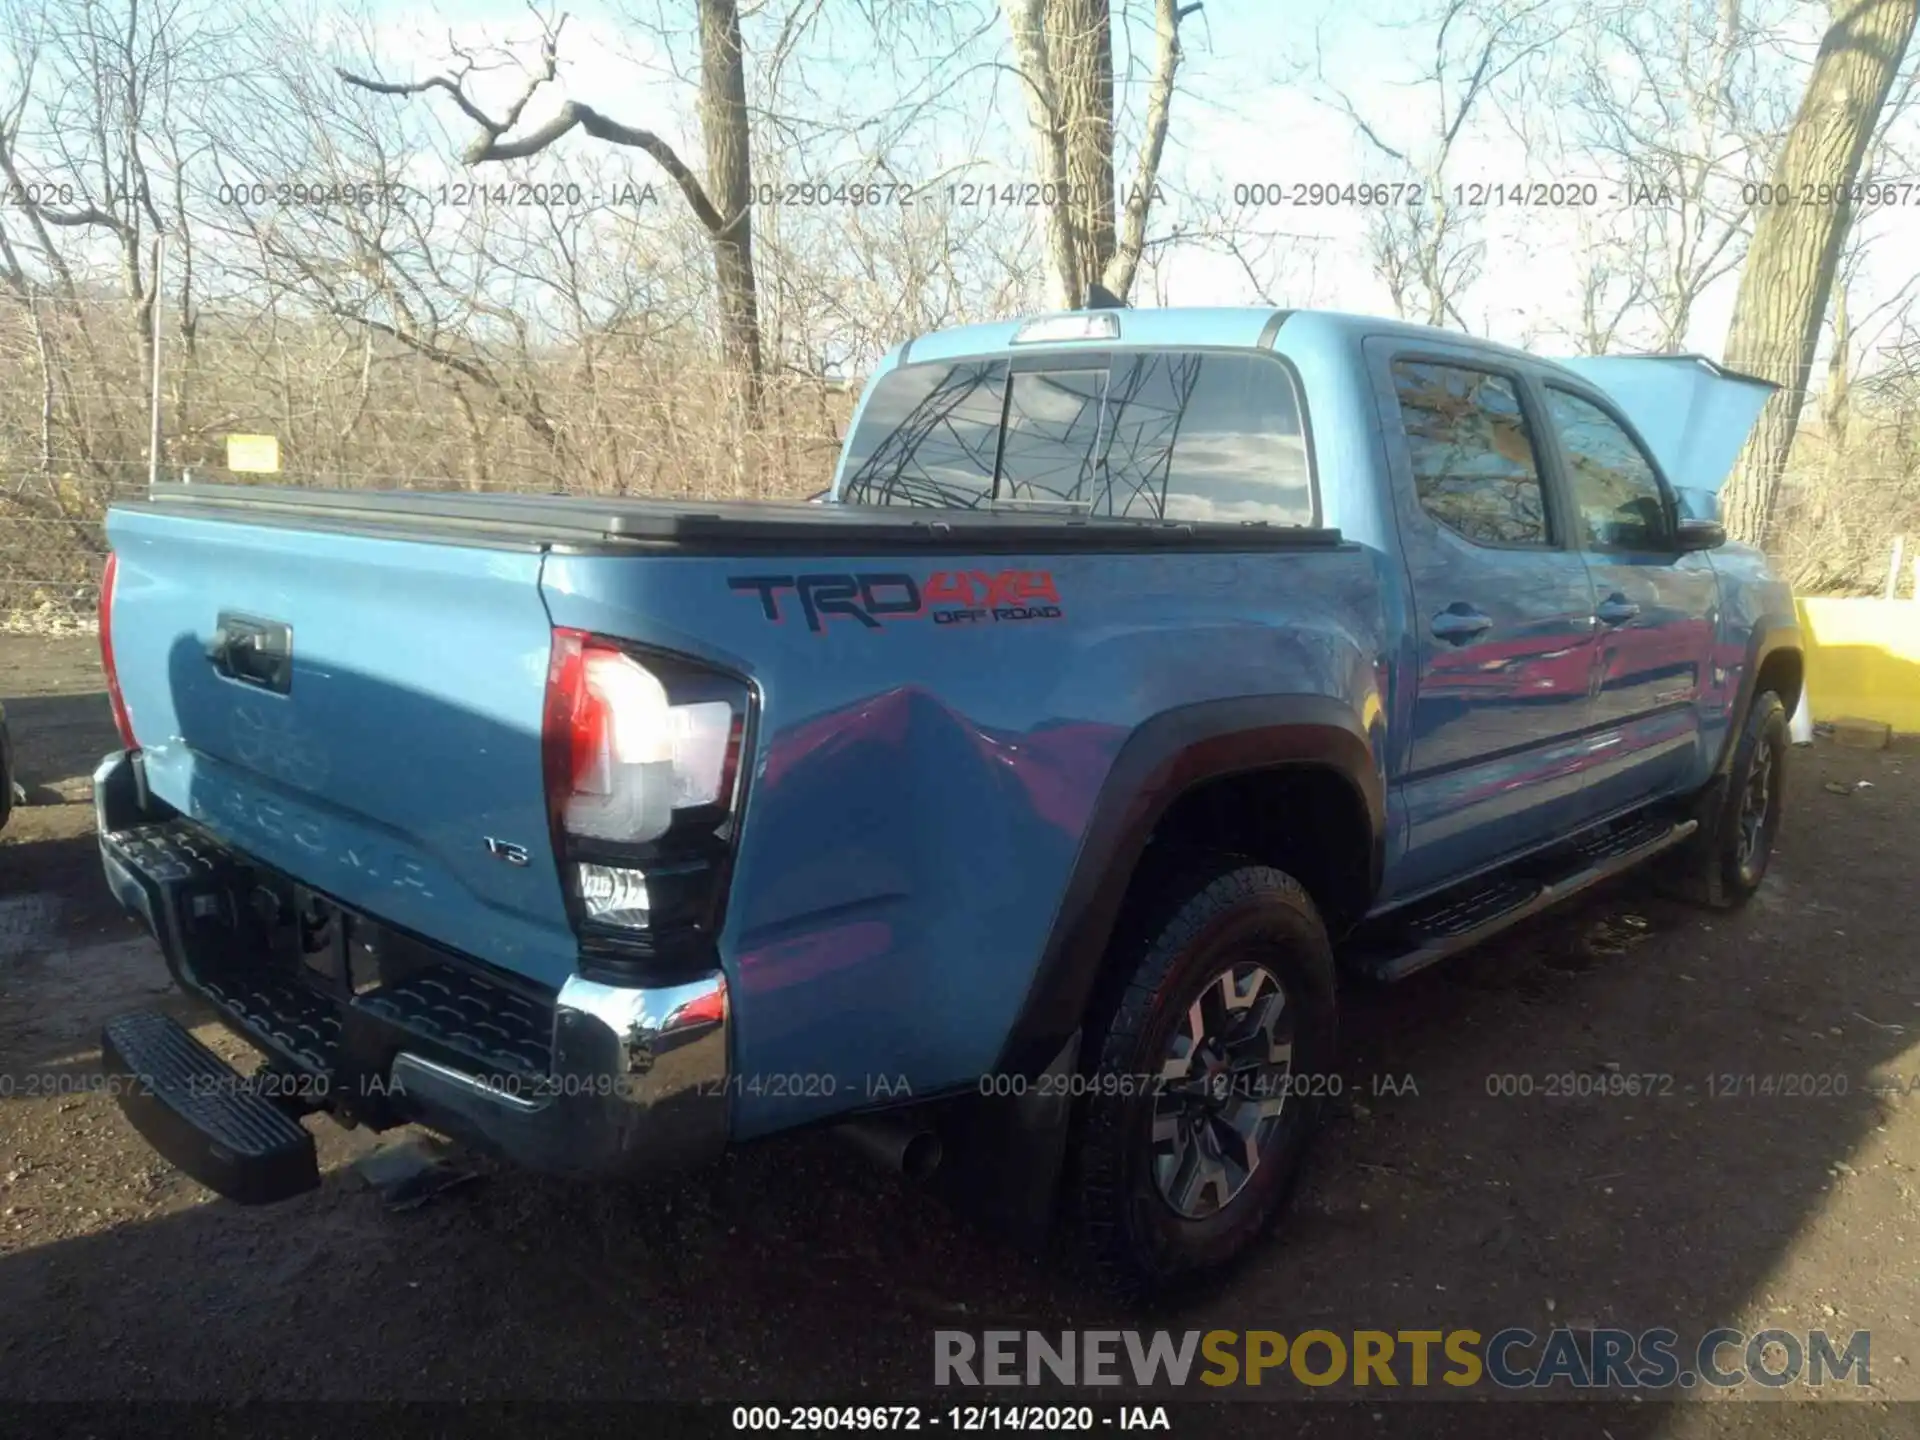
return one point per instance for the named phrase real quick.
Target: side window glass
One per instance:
(1616, 491)
(1474, 467)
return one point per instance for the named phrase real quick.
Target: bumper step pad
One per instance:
(493, 1031)
(201, 1114)
(284, 1015)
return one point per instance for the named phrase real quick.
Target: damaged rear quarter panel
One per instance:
(921, 788)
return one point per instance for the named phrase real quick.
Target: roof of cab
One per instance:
(1230, 326)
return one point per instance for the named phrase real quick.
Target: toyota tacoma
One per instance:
(1017, 811)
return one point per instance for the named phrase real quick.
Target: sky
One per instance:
(1255, 107)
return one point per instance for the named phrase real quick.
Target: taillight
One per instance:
(121, 720)
(642, 757)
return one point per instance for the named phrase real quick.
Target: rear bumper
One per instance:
(593, 1079)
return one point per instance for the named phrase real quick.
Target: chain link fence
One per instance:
(52, 550)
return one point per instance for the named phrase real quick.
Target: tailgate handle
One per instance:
(256, 652)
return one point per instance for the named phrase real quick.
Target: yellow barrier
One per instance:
(1863, 659)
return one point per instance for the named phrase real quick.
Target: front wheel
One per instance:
(1213, 1062)
(1727, 858)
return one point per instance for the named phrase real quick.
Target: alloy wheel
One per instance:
(1223, 1087)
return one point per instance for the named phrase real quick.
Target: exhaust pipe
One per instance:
(910, 1149)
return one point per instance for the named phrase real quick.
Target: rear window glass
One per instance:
(1178, 435)
(928, 436)
(1206, 436)
(1053, 434)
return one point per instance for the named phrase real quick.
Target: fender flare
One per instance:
(1770, 634)
(1161, 761)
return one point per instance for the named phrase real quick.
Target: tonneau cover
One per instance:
(720, 526)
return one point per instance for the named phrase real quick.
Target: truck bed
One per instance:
(350, 689)
(731, 527)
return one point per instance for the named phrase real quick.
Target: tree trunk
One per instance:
(1026, 24)
(723, 122)
(1132, 241)
(1063, 50)
(1080, 50)
(1796, 247)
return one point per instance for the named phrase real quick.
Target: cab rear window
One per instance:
(1160, 434)
(928, 436)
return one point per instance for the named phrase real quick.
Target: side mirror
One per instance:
(1696, 504)
(1701, 535)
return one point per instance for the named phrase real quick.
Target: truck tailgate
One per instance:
(394, 763)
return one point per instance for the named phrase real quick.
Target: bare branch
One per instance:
(421, 87)
(1133, 220)
(91, 215)
(1360, 123)
(492, 144)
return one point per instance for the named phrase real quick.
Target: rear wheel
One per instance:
(1727, 858)
(1213, 1059)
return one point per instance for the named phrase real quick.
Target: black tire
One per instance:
(1727, 858)
(1227, 919)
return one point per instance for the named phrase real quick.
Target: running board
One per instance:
(1460, 919)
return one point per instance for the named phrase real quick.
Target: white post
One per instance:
(1800, 723)
(152, 438)
(1916, 577)
(1893, 570)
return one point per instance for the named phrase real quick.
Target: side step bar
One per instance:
(1463, 918)
(201, 1114)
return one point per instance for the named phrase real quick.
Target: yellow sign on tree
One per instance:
(253, 452)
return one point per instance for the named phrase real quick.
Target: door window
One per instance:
(1474, 467)
(1616, 491)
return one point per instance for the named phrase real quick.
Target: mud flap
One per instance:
(1004, 1155)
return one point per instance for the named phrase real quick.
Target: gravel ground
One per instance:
(792, 1271)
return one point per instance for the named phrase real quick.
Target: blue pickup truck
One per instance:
(1016, 813)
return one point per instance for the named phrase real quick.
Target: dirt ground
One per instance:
(793, 1271)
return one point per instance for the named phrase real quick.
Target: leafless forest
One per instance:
(417, 252)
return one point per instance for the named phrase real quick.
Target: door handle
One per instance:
(255, 652)
(1616, 609)
(1459, 623)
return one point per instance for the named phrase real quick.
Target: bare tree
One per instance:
(1615, 280)
(1063, 50)
(1429, 253)
(724, 123)
(95, 146)
(1080, 53)
(722, 205)
(1676, 107)
(1851, 479)
(1788, 277)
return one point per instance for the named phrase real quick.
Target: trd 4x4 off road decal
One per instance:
(948, 597)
